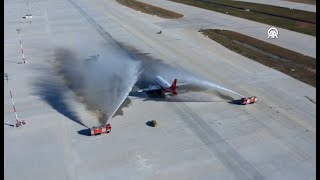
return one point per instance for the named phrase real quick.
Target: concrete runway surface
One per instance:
(272, 139)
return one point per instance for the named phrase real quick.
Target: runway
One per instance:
(272, 139)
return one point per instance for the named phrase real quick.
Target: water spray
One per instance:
(210, 84)
(153, 68)
(127, 90)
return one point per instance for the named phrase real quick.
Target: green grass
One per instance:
(149, 9)
(291, 63)
(312, 2)
(295, 20)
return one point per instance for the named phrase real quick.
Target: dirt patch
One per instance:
(294, 64)
(149, 9)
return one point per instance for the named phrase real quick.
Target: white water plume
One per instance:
(156, 67)
(101, 82)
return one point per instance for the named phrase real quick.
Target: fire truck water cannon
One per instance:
(100, 130)
(249, 100)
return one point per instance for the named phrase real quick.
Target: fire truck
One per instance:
(249, 100)
(20, 123)
(100, 130)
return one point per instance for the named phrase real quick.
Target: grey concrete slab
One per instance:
(272, 139)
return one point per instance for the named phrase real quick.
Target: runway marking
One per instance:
(101, 31)
(310, 99)
(232, 160)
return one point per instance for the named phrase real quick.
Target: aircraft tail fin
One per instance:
(174, 86)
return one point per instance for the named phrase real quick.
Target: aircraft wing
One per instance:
(150, 88)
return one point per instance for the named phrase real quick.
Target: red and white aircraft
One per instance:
(162, 86)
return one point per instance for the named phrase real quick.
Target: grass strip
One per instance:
(294, 64)
(312, 2)
(149, 9)
(291, 19)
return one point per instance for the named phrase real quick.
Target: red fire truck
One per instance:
(100, 130)
(249, 100)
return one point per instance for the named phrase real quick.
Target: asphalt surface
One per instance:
(272, 139)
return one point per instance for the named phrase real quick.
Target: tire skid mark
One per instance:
(232, 160)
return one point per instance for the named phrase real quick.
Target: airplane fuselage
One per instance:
(165, 86)
(162, 86)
